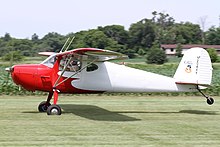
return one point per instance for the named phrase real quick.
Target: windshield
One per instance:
(49, 61)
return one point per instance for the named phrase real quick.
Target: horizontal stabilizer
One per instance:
(184, 83)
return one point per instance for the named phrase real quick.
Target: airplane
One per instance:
(89, 70)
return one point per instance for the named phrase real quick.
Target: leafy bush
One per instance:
(13, 56)
(213, 54)
(156, 56)
(179, 50)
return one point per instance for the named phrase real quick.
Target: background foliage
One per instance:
(137, 40)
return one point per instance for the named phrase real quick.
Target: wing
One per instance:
(94, 53)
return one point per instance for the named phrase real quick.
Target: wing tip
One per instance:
(46, 53)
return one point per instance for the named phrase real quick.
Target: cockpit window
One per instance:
(49, 61)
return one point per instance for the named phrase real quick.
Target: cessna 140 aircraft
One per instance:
(88, 70)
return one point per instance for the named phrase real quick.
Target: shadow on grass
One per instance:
(199, 112)
(95, 113)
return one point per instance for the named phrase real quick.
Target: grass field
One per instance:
(100, 120)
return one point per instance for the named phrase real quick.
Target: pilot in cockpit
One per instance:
(74, 65)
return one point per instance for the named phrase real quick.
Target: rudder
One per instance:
(194, 68)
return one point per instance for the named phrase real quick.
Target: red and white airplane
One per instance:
(88, 70)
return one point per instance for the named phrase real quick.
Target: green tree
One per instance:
(22, 45)
(52, 42)
(142, 34)
(213, 36)
(96, 39)
(35, 37)
(213, 54)
(116, 32)
(156, 55)
(179, 50)
(188, 32)
(163, 24)
(7, 37)
(163, 20)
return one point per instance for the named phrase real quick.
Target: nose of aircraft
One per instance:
(14, 74)
(24, 75)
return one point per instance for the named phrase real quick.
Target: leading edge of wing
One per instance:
(99, 54)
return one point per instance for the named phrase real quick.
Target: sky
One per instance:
(23, 18)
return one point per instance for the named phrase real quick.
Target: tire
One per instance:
(210, 101)
(42, 107)
(54, 110)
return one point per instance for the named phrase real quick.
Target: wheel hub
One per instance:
(54, 111)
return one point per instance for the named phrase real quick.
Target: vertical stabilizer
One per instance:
(194, 68)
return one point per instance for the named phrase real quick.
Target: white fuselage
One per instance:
(110, 77)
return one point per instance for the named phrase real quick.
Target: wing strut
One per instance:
(63, 71)
(69, 44)
(57, 84)
(64, 48)
(64, 45)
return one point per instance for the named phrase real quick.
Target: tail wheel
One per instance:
(42, 107)
(210, 101)
(54, 110)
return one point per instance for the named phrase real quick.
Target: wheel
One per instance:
(54, 110)
(210, 101)
(42, 107)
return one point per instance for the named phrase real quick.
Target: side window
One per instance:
(74, 65)
(92, 67)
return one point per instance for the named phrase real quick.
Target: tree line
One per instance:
(141, 37)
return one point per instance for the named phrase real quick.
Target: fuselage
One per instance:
(100, 77)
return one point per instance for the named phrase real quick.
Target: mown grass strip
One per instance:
(101, 120)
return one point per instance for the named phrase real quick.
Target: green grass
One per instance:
(100, 120)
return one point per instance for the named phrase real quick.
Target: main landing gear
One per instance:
(45, 106)
(209, 99)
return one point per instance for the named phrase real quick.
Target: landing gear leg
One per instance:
(209, 100)
(42, 107)
(54, 109)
